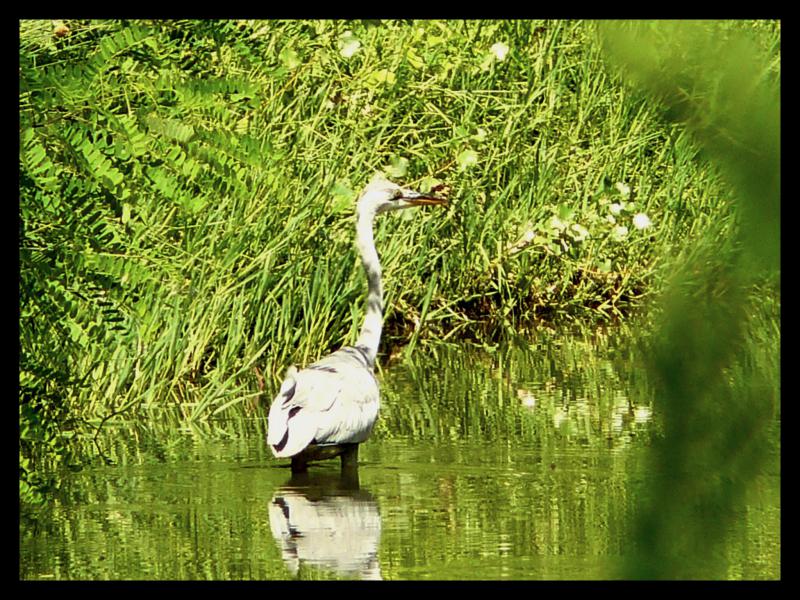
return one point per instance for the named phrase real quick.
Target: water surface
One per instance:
(525, 463)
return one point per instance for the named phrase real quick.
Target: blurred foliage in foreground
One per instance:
(718, 398)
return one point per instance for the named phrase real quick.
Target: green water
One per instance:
(527, 463)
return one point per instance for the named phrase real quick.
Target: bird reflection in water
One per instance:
(325, 521)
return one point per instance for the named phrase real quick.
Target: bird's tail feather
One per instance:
(289, 427)
(291, 435)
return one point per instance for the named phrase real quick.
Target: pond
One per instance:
(523, 463)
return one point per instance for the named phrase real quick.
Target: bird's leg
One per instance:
(299, 464)
(350, 458)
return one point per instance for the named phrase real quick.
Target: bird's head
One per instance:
(381, 195)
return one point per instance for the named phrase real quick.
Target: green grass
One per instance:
(187, 193)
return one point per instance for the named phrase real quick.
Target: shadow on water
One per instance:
(326, 521)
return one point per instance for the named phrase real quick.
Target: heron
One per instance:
(329, 407)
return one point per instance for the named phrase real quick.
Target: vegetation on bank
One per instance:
(186, 196)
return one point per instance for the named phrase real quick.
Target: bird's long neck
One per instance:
(370, 336)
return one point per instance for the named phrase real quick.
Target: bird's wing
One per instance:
(291, 420)
(350, 418)
(331, 401)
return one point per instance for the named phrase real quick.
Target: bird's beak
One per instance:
(418, 199)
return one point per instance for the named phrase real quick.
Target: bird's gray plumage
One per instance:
(335, 401)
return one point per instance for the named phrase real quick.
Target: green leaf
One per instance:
(381, 77)
(115, 176)
(398, 166)
(289, 58)
(466, 159)
(342, 197)
(414, 59)
(565, 212)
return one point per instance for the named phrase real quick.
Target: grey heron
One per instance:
(329, 407)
